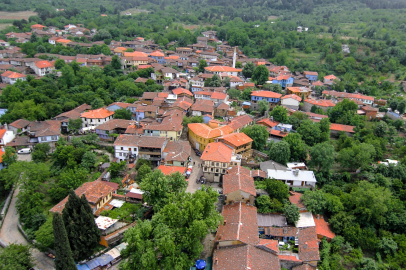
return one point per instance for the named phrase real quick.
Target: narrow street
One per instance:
(196, 173)
(10, 234)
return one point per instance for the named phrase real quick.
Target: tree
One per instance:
(279, 114)
(59, 63)
(258, 134)
(310, 132)
(322, 156)
(401, 107)
(173, 238)
(267, 205)
(277, 189)
(359, 155)
(143, 171)
(33, 38)
(16, 257)
(263, 105)
(81, 229)
(97, 103)
(40, 153)
(381, 129)
(202, 65)
(88, 160)
(291, 212)
(116, 168)
(215, 81)
(260, 75)
(75, 125)
(123, 114)
(234, 93)
(45, 236)
(158, 188)
(9, 156)
(63, 253)
(298, 148)
(116, 63)
(246, 94)
(248, 69)
(393, 104)
(280, 152)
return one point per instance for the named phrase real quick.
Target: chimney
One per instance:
(305, 245)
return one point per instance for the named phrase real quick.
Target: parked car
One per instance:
(24, 151)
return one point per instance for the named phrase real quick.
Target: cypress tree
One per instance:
(81, 228)
(63, 259)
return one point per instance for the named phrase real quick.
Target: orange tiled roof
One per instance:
(2, 132)
(97, 114)
(289, 258)
(135, 53)
(43, 64)
(63, 40)
(37, 26)
(299, 89)
(323, 228)
(93, 191)
(318, 83)
(322, 103)
(181, 90)
(167, 170)
(314, 73)
(12, 75)
(239, 178)
(207, 132)
(268, 94)
(218, 152)
(330, 77)
(240, 224)
(143, 66)
(292, 96)
(236, 139)
(157, 54)
(279, 133)
(1, 155)
(222, 69)
(295, 198)
(269, 244)
(218, 95)
(339, 127)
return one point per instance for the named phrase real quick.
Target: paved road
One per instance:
(196, 173)
(24, 157)
(10, 234)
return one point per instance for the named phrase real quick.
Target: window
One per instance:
(217, 163)
(43, 139)
(122, 148)
(211, 169)
(54, 138)
(129, 149)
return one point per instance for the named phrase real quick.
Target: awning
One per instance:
(115, 253)
(104, 259)
(82, 267)
(92, 264)
(121, 247)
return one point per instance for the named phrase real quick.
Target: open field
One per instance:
(4, 25)
(133, 11)
(16, 15)
(272, 18)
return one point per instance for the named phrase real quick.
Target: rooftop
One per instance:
(203, 130)
(217, 151)
(267, 94)
(339, 127)
(236, 139)
(307, 176)
(97, 114)
(322, 227)
(167, 170)
(238, 178)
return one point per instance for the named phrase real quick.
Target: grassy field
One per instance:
(4, 25)
(272, 18)
(4, 15)
(133, 11)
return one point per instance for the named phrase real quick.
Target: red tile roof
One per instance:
(2, 132)
(304, 267)
(267, 122)
(12, 75)
(240, 224)
(222, 69)
(93, 191)
(167, 170)
(157, 54)
(347, 95)
(236, 139)
(267, 94)
(308, 244)
(218, 95)
(314, 73)
(204, 131)
(295, 198)
(243, 258)
(97, 114)
(135, 54)
(238, 178)
(20, 123)
(318, 83)
(181, 90)
(143, 66)
(339, 127)
(321, 103)
(292, 96)
(289, 258)
(217, 152)
(240, 122)
(330, 77)
(272, 245)
(44, 64)
(323, 228)
(279, 133)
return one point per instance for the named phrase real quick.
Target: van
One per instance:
(24, 151)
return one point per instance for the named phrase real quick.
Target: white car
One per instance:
(24, 151)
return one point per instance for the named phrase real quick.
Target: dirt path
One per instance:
(10, 234)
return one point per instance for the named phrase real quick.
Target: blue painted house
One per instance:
(272, 97)
(283, 80)
(159, 56)
(311, 75)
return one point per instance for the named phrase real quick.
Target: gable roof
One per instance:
(238, 178)
(322, 227)
(12, 75)
(222, 69)
(181, 90)
(97, 114)
(115, 123)
(168, 170)
(295, 198)
(339, 127)
(203, 105)
(93, 191)
(321, 103)
(243, 258)
(217, 152)
(236, 139)
(240, 224)
(268, 122)
(177, 151)
(204, 131)
(240, 121)
(292, 96)
(308, 244)
(20, 123)
(140, 141)
(44, 64)
(267, 94)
